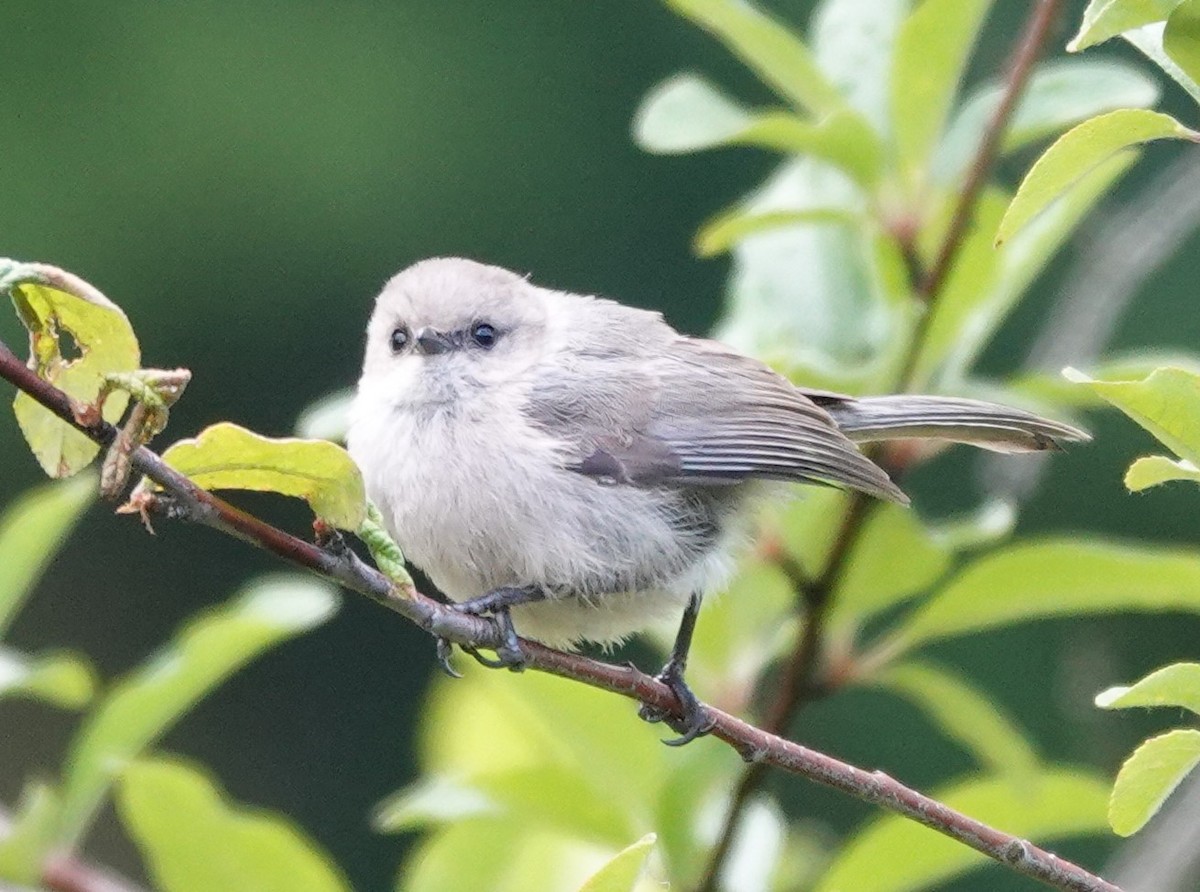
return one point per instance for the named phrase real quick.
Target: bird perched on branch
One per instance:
(578, 469)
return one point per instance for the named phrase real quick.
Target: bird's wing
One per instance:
(696, 413)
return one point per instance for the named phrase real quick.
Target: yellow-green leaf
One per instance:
(63, 679)
(729, 227)
(1076, 152)
(1149, 40)
(50, 302)
(194, 840)
(1166, 402)
(688, 114)
(1152, 470)
(622, 872)
(30, 835)
(31, 531)
(1130, 366)
(209, 649)
(1181, 39)
(226, 456)
(1149, 776)
(1060, 803)
(931, 52)
(1104, 19)
(966, 716)
(1174, 685)
(770, 50)
(1056, 577)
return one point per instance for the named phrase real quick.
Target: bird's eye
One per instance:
(484, 335)
(400, 338)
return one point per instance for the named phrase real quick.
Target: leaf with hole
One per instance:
(194, 840)
(1149, 776)
(1079, 150)
(225, 456)
(52, 302)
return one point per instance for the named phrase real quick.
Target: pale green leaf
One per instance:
(1152, 470)
(854, 43)
(206, 651)
(51, 301)
(1059, 804)
(431, 800)
(1058, 95)
(31, 531)
(1149, 776)
(687, 114)
(30, 836)
(226, 456)
(931, 54)
(327, 418)
(1149, 40)
(966, 716)
(1056, 577)
(987, 525)
(1181, 38)
(1131, 366)
(1105, 19)
(1077, 152)
(874, 580)
(1166, 403)
(728, 228)
(622, 872)
(194, 840)
(62, 679)
(768, 48)
(1174, 685)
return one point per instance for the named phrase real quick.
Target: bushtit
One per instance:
(586, 467)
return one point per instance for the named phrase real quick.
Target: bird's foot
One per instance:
(695, 720)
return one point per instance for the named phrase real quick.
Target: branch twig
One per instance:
(189, 502)
(796, 684)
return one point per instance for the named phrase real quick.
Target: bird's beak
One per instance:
(431, 342)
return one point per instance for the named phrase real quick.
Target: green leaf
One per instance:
(686, 113)
(226, 456)
(1181, 38)
(1134, 365)
(622, 872)
(1174, 685)
(430, 801)
(193, 840)
(1061, 803)
(31, 531)
(1077, 152)
(63, 679)
(51, 301)
(1055, 577)
(968, 717)
(30, 838)
(729, 227)
(1058, 95)
(1166, 403)
(1152, 470)
(854, 43)
(327, 418)
(206, 651)
(874, 580)
(1149, 40)
(769, 49)
(1149, 776)
(931, 54)
(1104, 19)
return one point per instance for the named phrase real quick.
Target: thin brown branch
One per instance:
(189, 502)
(797, 680)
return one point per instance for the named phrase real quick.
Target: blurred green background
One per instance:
(241, 179)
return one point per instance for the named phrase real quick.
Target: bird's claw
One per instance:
(695, 720)
(509, 655)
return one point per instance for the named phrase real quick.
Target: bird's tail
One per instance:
(982, 424)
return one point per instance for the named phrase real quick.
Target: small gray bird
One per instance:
(579, 468)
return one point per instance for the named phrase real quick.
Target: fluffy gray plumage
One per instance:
(593, 451)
